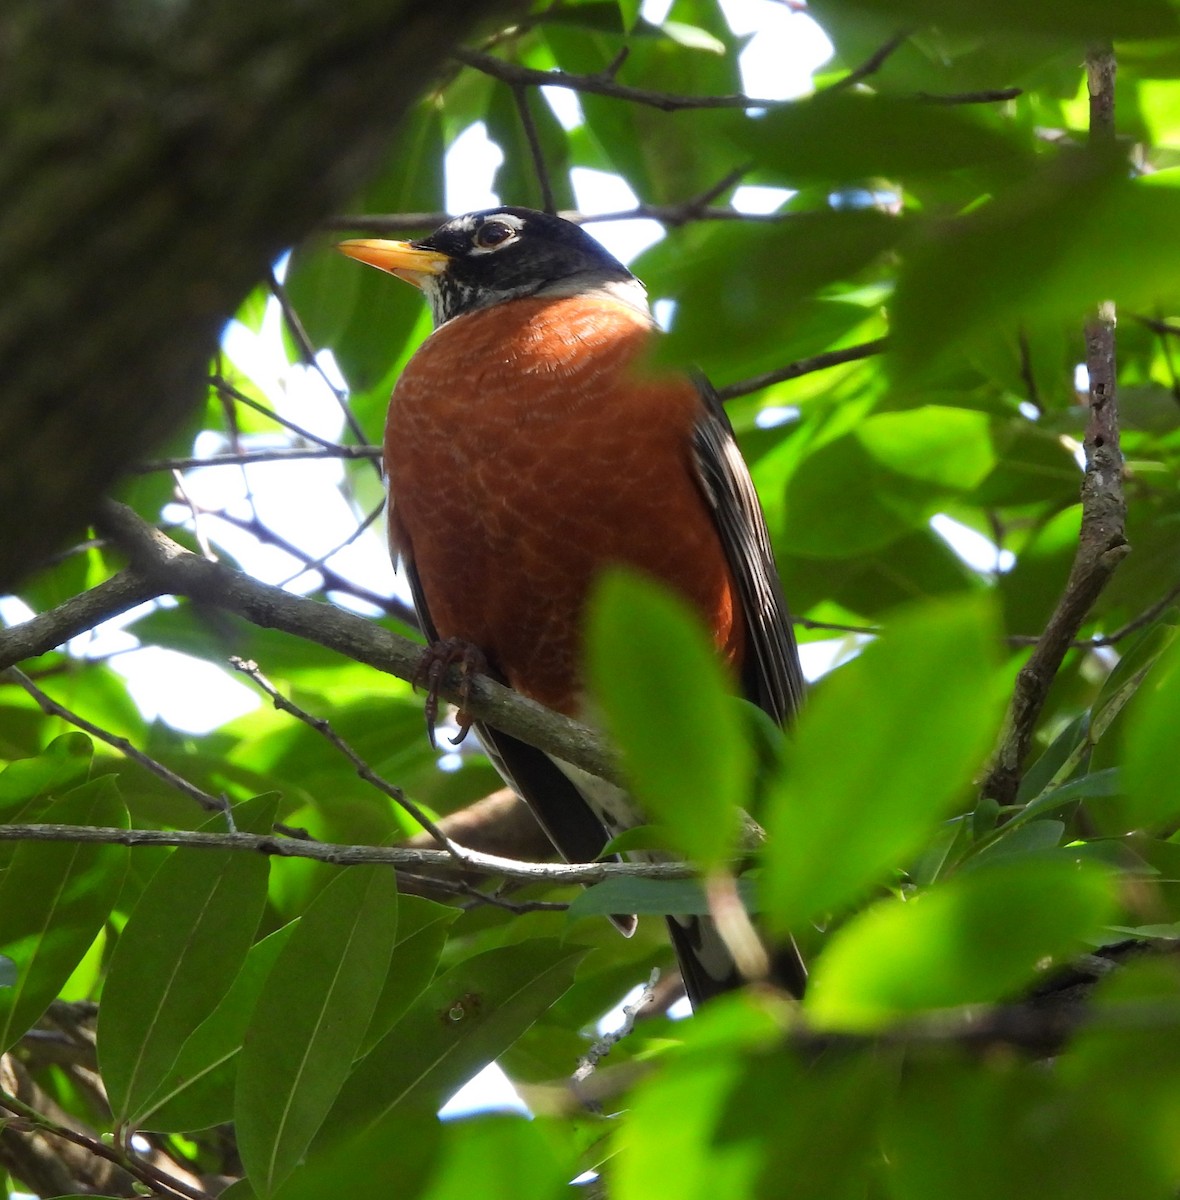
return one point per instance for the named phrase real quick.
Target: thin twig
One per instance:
(602, 84)
(324, 728)
(986, 96)
(338, 855)
(331, 579)
(278, 454)
(147, 1174)
(803, 366)
(834, 627)
(52, 708)
(520, 97)
(310, 357)
(1144, 619)
(871, 65)
(589, 1061)
(226, 388)
(666, 214)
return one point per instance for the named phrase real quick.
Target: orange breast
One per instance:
(526, 450)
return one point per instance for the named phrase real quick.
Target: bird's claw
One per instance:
(437, 659)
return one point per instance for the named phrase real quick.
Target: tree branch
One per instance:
(172, 569)
(804, 366)
(278, 454)
(602, 84)
(338, 855)
(1102, 543)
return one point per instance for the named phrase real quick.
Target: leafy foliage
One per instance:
(946, 186)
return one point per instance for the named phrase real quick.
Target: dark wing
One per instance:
(561, 810)
(771, 675)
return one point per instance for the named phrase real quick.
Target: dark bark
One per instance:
(156, 158)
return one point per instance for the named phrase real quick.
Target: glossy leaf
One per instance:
(54, 899)
(1150, 777)
(973, 939)
(198, 1091)
(180, 951)
(668, 708)
(391, 1158)
(310, 1018)
(464, 1019)
(422, 929)
(808, 141)
(865, 783)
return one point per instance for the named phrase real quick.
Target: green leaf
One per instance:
(182, 947)
(824, 1143)
(422, 928)
(666, 1146)
(54, 899)
(1075, 235)
(462, 1021)
(881, 755)
(65, 762)
(737, 311)
(198, 1091)
(809, 141)
(1151, 781)
(310, 1019)
(669, 709)
(387, 1160)
(974, 939)
(499, 1157)
(362, 314)
(1079, 20)
(948, 447)
(650, 897)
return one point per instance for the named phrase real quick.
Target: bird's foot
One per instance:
(437, 659)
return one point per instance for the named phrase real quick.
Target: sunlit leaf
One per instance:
(668, 708)
(972, 939)
(868, 778)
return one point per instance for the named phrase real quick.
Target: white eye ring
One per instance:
(493, 234)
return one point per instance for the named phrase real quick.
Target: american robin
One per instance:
(528, 447)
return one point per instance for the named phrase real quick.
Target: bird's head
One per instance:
(499, 254)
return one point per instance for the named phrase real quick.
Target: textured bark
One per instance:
(154, 160)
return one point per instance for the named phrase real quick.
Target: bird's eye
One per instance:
(493, 234)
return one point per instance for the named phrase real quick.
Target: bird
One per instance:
(530, 446)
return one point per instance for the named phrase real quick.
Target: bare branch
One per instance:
(227, 389)
(338, 855)
(46, 631)
(666, 214)
(520, 97)
(310, 358)
(804, 366)
(872, 64)
(602, 84)
(1136, 623)
(278, 454)
(324, 728)
(174, 570)
(987, 96)
(1102, 543)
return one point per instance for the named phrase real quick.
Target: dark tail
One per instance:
(709, 970)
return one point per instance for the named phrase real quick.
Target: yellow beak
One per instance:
(402, 259)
